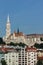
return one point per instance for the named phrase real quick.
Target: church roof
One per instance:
(18, 34)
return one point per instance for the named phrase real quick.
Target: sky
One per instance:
(27, 15)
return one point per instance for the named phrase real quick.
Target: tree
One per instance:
(3, 62)
(39, 62)
(11, 43)
(41, 45)
(41, 39)
(22, 44)
(1, 41)
(36, 45)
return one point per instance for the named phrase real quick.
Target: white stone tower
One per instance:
(8, 29)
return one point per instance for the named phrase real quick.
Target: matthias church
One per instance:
(17, 37)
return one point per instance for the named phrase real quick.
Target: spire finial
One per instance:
(18, 30)
(8, 20)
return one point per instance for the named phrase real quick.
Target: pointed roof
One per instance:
(18, 30)
(8, 20)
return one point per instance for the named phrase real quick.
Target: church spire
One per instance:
(18, 30)
(8, 20)
(8, 29)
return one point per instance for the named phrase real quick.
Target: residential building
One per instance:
(11, 58)
(22, 57)
(19, 55)
(31, 56)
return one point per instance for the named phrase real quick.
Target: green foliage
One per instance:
(41, 39)
(18, 44)
(1, 41)
(22, 44)
(39, 62)
(11, 43)
(38, 45)
(3, 62)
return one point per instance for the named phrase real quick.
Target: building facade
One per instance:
(11, 58)
(19, 55)
(31, 56)
(22, 57)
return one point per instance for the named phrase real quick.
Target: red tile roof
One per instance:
(18, 34)
(31, 49)
(6, 49)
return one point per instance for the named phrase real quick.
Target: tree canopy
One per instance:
(38, 45)
(17, 44)
(39, 62)
(3, 62)
(1, 41)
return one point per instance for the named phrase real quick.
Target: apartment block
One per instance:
(11, 58)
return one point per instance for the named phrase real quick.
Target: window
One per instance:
(9, 60)
(12, 56)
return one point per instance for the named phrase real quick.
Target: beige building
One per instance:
(11, 58)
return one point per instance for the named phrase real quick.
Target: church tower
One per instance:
(8, 30)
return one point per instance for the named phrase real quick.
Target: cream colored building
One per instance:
(11, 58)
